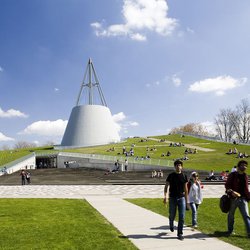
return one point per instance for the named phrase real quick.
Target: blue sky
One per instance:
(161, 64)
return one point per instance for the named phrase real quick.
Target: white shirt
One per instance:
(194, 194)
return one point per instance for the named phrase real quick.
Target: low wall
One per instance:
(64, 161)
(27, 162)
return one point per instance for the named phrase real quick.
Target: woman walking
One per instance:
(195, 196)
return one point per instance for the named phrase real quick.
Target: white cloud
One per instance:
(56, 89)
(96, 25)
(12, 113)
(176, 80)
(138, 37)
(209, 126)
(218, 85)
(122, 124)
(5, 138)
(140, 16)
(46, 128)
(133, 124)
(119, 117)
(156, 83)
(1, 69)
(189, 30)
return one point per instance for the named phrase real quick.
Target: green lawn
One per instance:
(7, 156)
(211, 220)
(56, 224)
(217, 160)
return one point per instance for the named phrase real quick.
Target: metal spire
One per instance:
(90, 84)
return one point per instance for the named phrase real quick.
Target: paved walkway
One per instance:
(186, 145)
(147, 230)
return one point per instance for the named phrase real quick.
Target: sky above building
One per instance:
(161, 64)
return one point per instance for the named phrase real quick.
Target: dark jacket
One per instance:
(233, 183)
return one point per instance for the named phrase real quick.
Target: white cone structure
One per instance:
(90, 124)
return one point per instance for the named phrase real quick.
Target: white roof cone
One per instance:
(90, 124)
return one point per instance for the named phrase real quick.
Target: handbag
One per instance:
(225, 203)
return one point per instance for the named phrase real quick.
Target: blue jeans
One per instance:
(243, 207)
(173, 204)
(194, 208)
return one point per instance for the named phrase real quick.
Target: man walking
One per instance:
(178, 197)
(237, 188)
(23, 176)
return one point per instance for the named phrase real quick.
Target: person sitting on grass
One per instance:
(230, 151)
(245, 155)
(240, 155)
(235, 151)
(211, 176)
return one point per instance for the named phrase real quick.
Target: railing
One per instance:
(47, 153)
(131, 160)
(121, 158)
(211, 138)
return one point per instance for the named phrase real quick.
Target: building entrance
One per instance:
(46, 161)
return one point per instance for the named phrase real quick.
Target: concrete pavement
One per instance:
(147, 230)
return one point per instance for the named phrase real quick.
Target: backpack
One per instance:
(225, 203)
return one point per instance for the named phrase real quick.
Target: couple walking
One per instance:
(184, 194)
(25, 177)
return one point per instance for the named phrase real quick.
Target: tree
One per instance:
(192, 128)
(5, 147)
(49, 143)
(24, 144)
(224, 125)
(240, 119)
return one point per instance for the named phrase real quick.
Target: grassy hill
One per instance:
(210, 155)
(7, 156)
(216, 159)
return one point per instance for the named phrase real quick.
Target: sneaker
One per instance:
(180, 237)
(171, 229)
(230, 234)
(195, 226)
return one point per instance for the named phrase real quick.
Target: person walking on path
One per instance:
(28, 177)
(194, 196)
(237, 188)
(176, 182)
(23, 176)
(126, 165)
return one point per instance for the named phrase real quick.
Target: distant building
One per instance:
(90, 124)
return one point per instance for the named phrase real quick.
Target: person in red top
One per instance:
(23, 176)
(237, 188)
